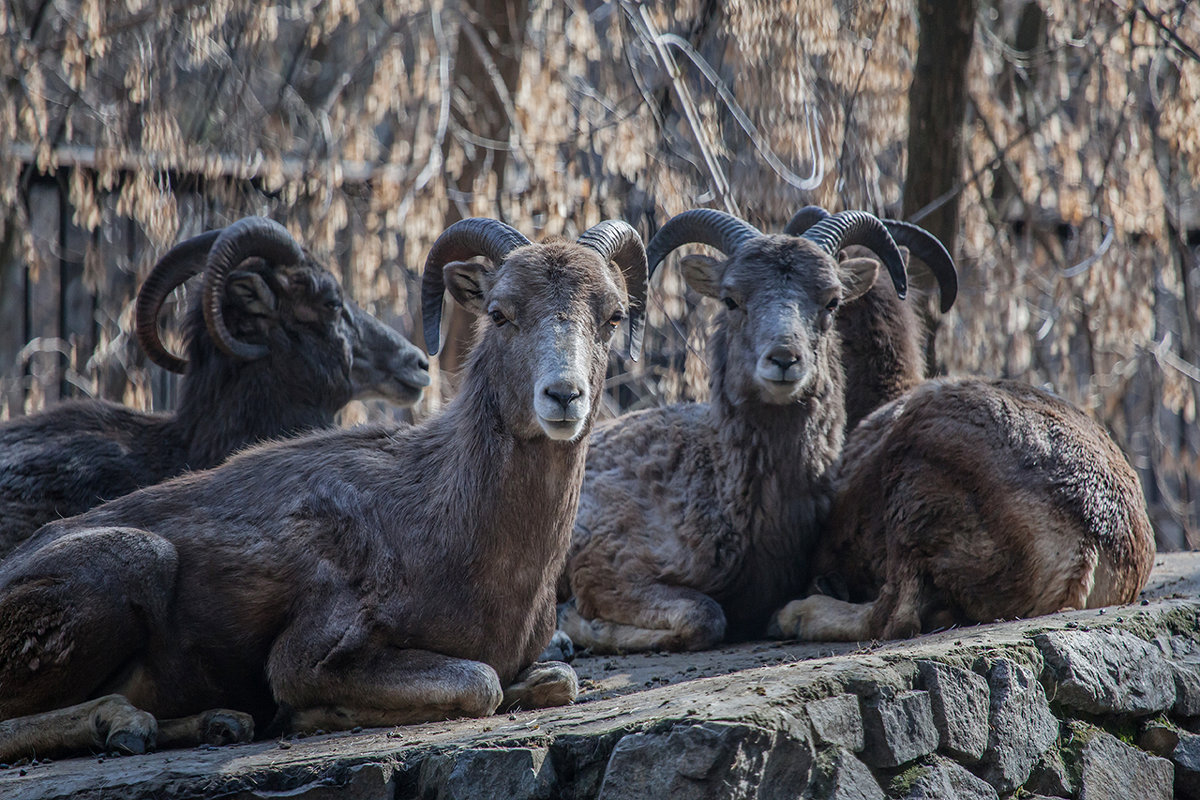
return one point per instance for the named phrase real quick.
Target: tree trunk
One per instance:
(490, 41)
(936, 108)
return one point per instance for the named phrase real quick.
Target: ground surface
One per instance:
(619, 694)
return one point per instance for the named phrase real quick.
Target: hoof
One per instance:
(543, 685)
(129, 743)
(222, 726)
(786, 623)
(561, 648)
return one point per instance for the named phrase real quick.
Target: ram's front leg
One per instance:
(378, 686)
(542, 685)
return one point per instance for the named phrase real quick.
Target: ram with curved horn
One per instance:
(373, 576)
(697, 519)
(274, 350)
(882, 338)
(990, 499)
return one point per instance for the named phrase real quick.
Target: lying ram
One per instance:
(697, 519)
(273, 350)
(991, 499)
(372, 576)
(972, 500)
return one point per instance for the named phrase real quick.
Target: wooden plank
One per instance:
(116, 246)
(42, 298)
(77, 303)
(12, 322)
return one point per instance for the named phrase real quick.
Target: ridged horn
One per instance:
(804, 219)
(701, 225)
(250, 236)
(858, 227)
(920, 242)
(467, 238)
(617, 241)
(177, 265)
(927, 247)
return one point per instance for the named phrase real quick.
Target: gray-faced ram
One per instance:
(372, 576)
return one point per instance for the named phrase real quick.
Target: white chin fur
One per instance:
(561, 430)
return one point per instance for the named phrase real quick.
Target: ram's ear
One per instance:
(467, 281)
(702, 273)
(858, 276)
(250, 295)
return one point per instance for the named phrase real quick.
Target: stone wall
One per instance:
(1092, 704)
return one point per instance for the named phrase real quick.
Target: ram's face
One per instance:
(547, 316)
(780, 296)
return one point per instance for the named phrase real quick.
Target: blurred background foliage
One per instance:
(1055, 145)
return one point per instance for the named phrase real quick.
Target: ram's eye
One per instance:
(730, 303)
(498, 318)
(616, 319)
(832, 304)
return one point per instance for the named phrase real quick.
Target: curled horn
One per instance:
(858, 227)
(251, 236)
(703, 225)
(804, 219)
(920, 242)
(617, 241)
(927, 247)
(467, 238)
(177, 265)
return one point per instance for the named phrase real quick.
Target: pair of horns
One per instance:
(920, 242)
(831, 233)
(614, 240)
(219, 252)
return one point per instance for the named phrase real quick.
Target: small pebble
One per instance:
(1145, 602)
(285, 745)
(356, 729)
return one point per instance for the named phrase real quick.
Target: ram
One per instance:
(697, 519)
(882, 343)
(372, 576)
(971, 500)
(273, 350)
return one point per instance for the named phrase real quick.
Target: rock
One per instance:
(1186, 757)
(938, 779)
(1021, 726)
(897, 727)
(1050, 776)
(1106, 672)
(1159, 739)
(487, 774)
(364, 782)
(1109, 769)
(1187, 688)
(837, 720)
(710, 760)
(959, 700)
(838, 775)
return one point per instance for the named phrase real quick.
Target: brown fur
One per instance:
(697, 519)
(364, 577)
(881, 347)
(973, 500)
